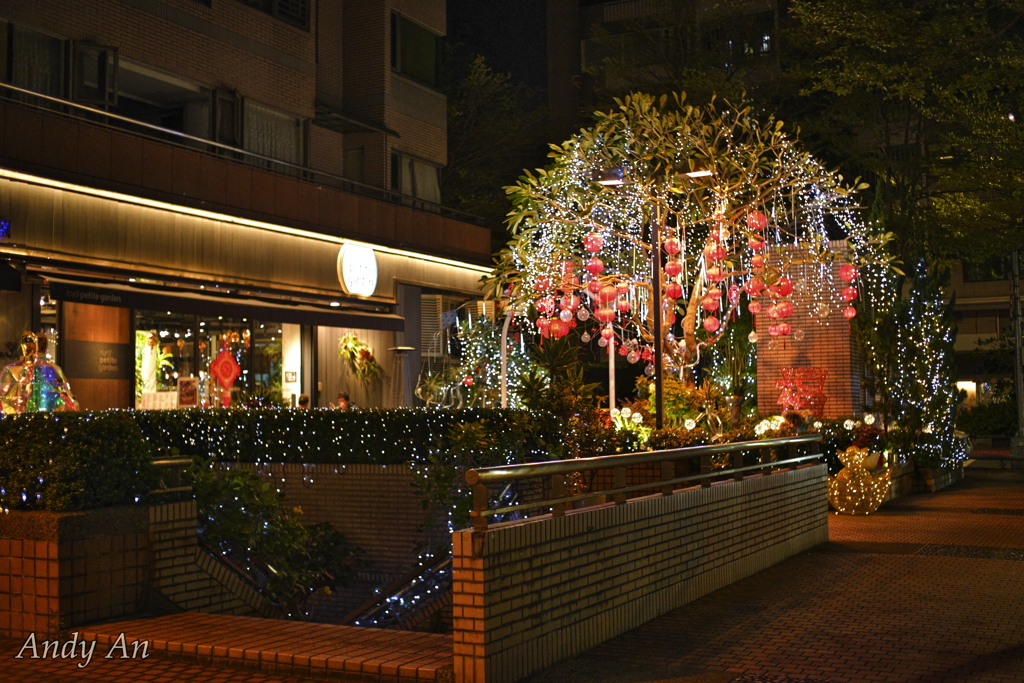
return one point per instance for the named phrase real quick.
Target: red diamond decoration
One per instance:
(225, 368)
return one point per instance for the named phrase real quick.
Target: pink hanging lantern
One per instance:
(715, 274)
(623, 305)
(773, 312)
(773, 329)
(622, 288)
(849, 312)
(594, 266)
(594, 286)
(783, 286)
(757, 261)
(570, 302)
(559, 328)
(543, 284)
(673, 268)
(784, 328)
(608, 332)
(709, 304)
(605, 315)
(754, 307)
(568, 267)
(756, 244)
(545, 306)
(673, 290)
(672, 245)
(711, 324)
(785, 309)
(753, 286)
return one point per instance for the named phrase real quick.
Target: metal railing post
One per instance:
(705, 468)
(668, 471)
(737, 463)
(558, 491)
(481, 500)
(619, 481)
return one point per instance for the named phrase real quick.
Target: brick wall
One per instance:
(826, 344)
(59, 570)
(527, 594)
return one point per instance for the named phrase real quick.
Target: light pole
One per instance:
(1017, 444)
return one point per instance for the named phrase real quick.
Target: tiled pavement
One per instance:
(927, 590)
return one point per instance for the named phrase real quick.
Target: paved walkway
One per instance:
(928, 590)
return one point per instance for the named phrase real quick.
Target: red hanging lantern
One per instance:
(756, 244)
(594, 286)
(672, 245)
(607, 294)
(715, 274)
(709, 304)
(622, 288)
(545, 306)
(559, 328)
(711, 324)
(849, 312)
(753, 286)
(673, 268)
(608, 333)
(623, 305)
(568, 267)
(734, 294)
(784, 328)
(757, 220)
(848, 272)
(605, 315)
(543, 284)
(773, 312)
(783, 286)
(570, 302)
(673, 290)
(773, 329)
(785, 309)
(757, 261)
(848, 294)
(754, 307)
(544, 325)
(593, 242)
(595, 266)
(715, 293)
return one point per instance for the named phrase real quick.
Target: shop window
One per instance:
(415, 178)
(94, 74)
(992, 269)
(272, 133)
(413, 50)
(165, 345)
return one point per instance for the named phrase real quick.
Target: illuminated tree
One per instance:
(728, 204)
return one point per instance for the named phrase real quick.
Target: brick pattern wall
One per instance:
(176, 569)
(529, 594)
(829, 346)
(218, 46)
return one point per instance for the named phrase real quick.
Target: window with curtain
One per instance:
(38, 62)
(415, 178)
(271, 133)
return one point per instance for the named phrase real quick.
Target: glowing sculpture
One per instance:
(856, 490)
(803, 389)
(34, 384)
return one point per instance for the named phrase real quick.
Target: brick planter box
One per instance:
(932, 479)
(62, 569)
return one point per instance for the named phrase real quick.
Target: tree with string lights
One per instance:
(651, 229)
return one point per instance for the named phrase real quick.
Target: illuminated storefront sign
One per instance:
(357, 269)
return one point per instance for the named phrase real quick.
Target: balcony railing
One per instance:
(222, 151)
(557, 500)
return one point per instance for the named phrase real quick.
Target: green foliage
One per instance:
(249, 522)
(998, 418)
(382, 437)
(73, 461)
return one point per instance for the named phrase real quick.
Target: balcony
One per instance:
(65, 141)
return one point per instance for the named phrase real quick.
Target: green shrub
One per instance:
(381, 437)
(998, 418)
(73, 461)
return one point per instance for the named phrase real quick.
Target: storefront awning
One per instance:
(226, 306)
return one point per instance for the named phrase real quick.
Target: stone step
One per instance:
(326, 651)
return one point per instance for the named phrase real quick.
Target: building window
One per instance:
(352, 165)
(413, 50)
(94, 74)
(294, 12)
(32, 60)
(415, 178)
(272, 133)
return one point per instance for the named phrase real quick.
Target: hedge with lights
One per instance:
(73, 461)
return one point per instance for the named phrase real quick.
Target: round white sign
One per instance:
(357, 269)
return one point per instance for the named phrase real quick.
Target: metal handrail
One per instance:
(339, 182)
(556, 469)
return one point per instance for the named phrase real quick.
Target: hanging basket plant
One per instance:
(359, 358)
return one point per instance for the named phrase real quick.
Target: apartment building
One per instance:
(249, 180)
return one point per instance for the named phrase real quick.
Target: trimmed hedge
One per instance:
(998, 418)
(380, 437)
(73, 461)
